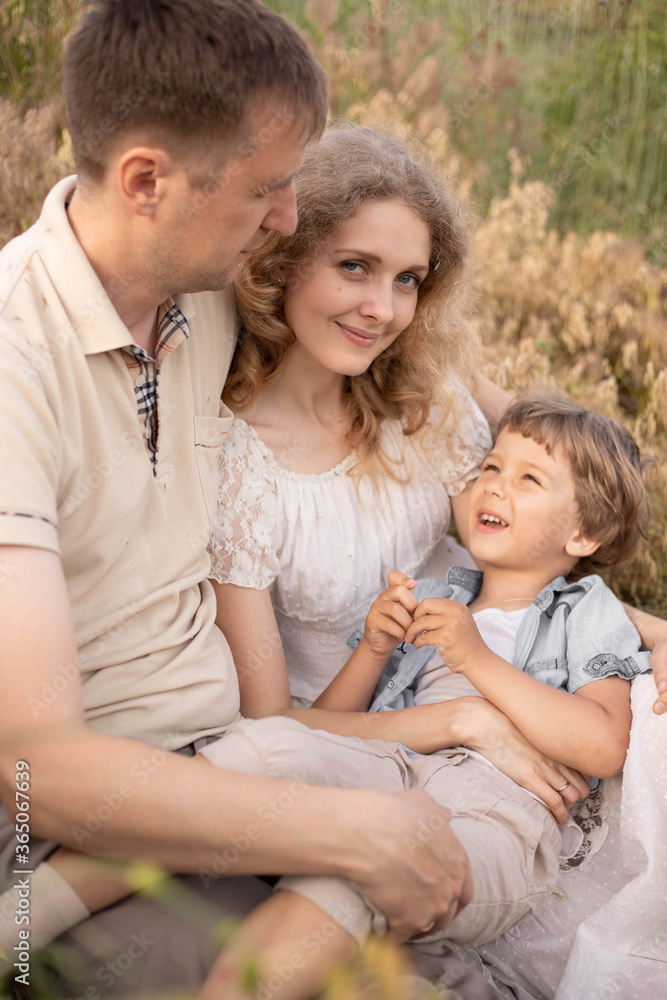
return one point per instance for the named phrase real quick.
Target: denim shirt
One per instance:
(572, 634)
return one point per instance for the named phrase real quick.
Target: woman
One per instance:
(349, 389)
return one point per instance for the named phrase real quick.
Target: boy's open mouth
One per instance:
(491, 522)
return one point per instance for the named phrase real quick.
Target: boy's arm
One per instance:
(589, 730)
(390, 615)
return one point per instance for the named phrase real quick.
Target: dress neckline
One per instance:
(339, 469)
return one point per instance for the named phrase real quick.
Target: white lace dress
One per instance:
(323, 543)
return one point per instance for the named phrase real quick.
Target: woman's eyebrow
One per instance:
(375, 259)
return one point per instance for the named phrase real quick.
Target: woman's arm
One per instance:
(588, 730)
(248, 622)
(654, 636)
(472, 722)
(491, 400)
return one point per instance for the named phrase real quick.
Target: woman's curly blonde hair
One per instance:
(411, 381)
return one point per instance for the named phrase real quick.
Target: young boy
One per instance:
(559, 496)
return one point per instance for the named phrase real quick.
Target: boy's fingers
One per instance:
(399, 614)
(401, 595)
(397, 579)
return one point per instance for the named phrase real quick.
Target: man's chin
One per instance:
(209, 282)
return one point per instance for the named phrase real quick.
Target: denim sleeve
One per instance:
(601, 640)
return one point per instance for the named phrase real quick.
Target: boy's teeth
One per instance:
(489, 517)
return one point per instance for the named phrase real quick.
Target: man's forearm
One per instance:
(115, 797)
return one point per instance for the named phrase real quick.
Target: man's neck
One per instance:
(134, 301)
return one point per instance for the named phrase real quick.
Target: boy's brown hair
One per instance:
(606, 469)
(188, 72)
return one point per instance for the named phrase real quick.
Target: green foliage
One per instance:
(575, 85)
(31, 37)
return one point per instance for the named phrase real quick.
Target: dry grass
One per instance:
(585, 312)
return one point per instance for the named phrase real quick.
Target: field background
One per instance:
(550, 117)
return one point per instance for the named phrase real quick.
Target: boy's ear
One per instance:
(581, 546)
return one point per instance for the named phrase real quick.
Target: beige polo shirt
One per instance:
(77, 479)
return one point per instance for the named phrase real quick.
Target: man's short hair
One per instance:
(606, 468)
(183, 72)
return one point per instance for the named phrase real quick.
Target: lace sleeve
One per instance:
(465, 446)
(245, 538)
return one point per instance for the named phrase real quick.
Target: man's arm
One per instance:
(162, 807)
(653, 632)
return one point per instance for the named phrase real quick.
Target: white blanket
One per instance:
(603, 934)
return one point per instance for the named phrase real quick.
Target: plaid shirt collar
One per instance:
(173, 330)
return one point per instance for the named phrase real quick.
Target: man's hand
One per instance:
(450, 626)
(390, 615)
(659, 664)
(486, 729)
(419, 875)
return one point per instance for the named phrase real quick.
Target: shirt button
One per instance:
(139, 380)
(391, 684)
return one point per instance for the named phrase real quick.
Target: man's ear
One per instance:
(142, 173)
(581, 546)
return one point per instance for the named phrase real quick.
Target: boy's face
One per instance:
(523, 514)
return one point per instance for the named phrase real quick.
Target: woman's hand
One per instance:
(391, 615)
(484, 728)
(659, 664)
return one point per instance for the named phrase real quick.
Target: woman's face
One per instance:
(360, 292)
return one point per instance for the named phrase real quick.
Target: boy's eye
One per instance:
(490, 467)
(533, 479)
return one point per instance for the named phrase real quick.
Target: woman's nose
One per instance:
(379, 304)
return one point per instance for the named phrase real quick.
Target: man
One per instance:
(189, 119)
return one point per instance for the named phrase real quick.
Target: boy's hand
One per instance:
(390, 615)
(450, 627)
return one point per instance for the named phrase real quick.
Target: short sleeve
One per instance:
(245, 537)
(467, 441)
(601, 640)
(29, 448)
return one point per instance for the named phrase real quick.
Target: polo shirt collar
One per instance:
(94, 319)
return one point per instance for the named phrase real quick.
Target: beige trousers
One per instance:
(512, 840)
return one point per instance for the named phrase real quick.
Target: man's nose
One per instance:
(283, 214)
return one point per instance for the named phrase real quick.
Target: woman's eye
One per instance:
(408, 280)
(352, 267)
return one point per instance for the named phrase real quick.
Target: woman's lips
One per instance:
(358, 337)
